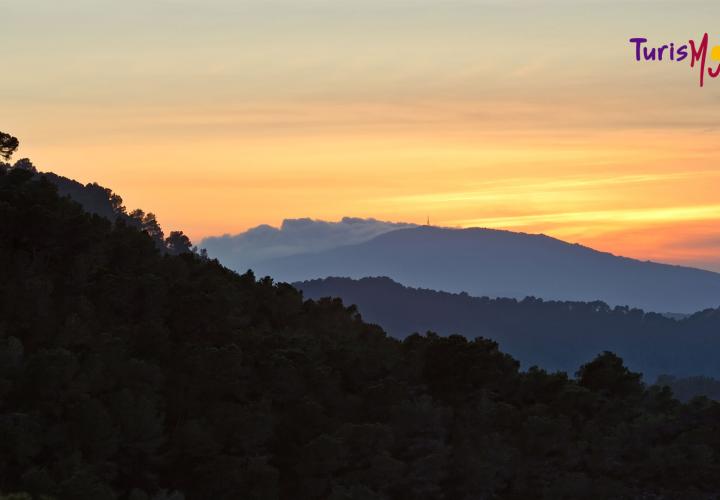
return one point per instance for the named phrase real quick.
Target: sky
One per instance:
(526, 115)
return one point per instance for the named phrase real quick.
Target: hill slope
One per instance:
(129, 373)
(554, 335)
(484, 262)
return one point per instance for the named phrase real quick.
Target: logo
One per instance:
(697, 53)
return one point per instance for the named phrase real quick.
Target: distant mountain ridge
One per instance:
(488, 262)
(550, 334)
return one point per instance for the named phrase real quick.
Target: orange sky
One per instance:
(530, 116)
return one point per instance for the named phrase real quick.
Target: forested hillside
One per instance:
(129, 372)
(551, 334)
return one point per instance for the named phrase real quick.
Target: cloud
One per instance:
(710, 242)
(243, 251)
(520, 189)
(642, 216)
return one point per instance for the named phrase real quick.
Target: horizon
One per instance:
(280, 228)
(713, 267)
(223, 117)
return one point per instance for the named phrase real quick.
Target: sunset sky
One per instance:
(528, 115)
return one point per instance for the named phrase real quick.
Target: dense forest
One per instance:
(551, 334)
(132, 372)
(687, 388)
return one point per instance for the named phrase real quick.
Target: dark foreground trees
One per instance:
(130, 373)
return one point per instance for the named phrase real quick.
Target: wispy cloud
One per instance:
(663, 215)
(512, 189)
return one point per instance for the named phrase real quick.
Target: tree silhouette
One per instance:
(25, 164)
(608, 375)
(177, 243)
(8, 145)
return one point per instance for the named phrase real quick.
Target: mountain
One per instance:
(485, 262)
(127, 372)
(551, 334)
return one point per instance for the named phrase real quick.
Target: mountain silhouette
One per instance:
(487, 262)
(550, 334)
